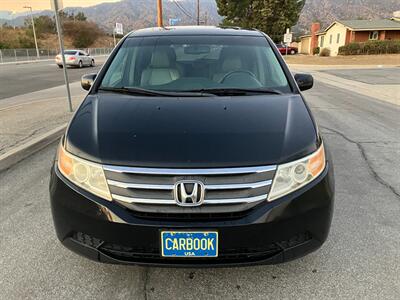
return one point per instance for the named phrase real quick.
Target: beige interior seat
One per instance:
(162, 69)
(230, 62)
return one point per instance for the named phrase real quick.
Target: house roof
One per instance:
(370, 24)
(305, 36)
(360, 25)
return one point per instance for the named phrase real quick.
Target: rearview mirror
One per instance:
(197, 49)
(304, 81)
(87, 80)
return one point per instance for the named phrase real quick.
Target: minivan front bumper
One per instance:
(270, 233)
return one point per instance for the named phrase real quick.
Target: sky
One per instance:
(17, 5)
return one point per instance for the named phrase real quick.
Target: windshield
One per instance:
(69, 52)
(196, 63)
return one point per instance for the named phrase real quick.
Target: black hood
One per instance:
(191, 132)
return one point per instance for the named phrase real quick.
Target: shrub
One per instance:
(43, 24)
(325, 52)
(26, 42)
(83, 33)
(371, 47)
(316, 50)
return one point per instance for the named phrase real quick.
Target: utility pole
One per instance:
(34, 31)
(61, 42)
(198, 12)
(159, 13)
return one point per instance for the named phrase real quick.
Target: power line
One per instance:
(182, 9)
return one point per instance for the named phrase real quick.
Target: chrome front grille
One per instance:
(226, 189)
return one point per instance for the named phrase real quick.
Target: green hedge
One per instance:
(370, 47)
(316, 50)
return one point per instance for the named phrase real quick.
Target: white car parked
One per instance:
(76, 58)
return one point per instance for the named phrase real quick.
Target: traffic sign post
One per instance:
(287, 38)
(57, 6)
(118, 29)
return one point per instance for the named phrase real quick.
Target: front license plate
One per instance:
(189, 243)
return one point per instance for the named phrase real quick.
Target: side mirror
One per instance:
(304, 81)
(87, 80)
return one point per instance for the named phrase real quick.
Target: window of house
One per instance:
(330, 39)
(373, 35)
(322, 41)
(338, 38)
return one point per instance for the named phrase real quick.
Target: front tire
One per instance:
(80, 64)
(60, 66)
(92, 63)
(292, 52)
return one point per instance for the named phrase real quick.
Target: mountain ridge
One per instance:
(134, 14)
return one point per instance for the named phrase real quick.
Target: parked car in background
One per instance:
(75, 58)
(290, 50)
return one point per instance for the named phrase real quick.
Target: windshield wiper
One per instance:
(237, 91)
(145, 92)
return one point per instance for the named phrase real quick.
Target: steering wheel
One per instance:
(237, 71)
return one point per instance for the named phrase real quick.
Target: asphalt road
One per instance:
(370, 76)
(360, 260)
(19, 79)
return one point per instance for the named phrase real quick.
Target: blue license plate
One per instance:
(189, 243)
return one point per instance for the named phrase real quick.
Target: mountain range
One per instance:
(135, 14)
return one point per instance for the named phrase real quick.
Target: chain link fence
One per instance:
(18, 55)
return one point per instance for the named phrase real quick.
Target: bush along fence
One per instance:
(371, 47)
(16, 55)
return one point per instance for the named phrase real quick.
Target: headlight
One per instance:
(87, 175)
(292, 176)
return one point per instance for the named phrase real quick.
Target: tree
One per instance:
(65, 16)
(270, 16)
(83, 33)
(80, 16)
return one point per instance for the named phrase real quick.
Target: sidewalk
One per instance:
(384, 92)
(25, 117)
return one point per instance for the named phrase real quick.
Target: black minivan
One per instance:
(194, 146)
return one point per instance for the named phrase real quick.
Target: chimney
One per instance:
(315, 27)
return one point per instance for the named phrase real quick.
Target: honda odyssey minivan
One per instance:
(194, 146)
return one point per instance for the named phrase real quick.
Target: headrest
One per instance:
(231, 59)
(232, 63)
(161, 57)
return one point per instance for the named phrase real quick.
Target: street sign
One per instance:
(118, 28)
(59, 4)
(174, 22)
(287, 38)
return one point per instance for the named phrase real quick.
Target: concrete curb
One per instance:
(22, 62)
(386, 93)
(19, 153)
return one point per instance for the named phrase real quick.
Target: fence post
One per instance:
(15, 54)
(1, 56)
(27, 53)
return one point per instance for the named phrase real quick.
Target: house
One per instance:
(305, 44)
(396, 16)
(343, 32)
(309, 42)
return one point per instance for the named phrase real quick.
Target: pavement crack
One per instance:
(375, 175)
(145, 283)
